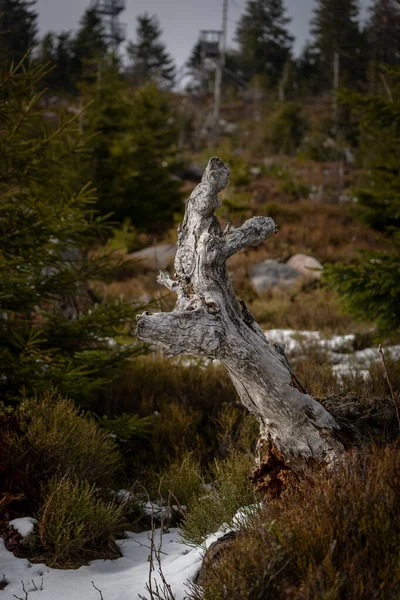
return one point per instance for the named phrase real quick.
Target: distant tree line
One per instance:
(74, 54)
(265, 46)
(86, 69)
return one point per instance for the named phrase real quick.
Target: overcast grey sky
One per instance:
(181, 20)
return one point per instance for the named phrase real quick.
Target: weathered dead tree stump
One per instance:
(208, 321)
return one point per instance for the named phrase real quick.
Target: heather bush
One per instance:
(231, 490)
(55, 439)
(335, 536)
(181, 481)
(75, 525)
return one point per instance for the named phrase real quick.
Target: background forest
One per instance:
(100, 145)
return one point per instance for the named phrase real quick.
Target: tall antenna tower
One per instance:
(110, 11)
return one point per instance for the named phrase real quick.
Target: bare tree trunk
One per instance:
(208, 321)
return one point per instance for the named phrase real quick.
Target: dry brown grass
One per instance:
(184, 404)
(330, 232)
(335, 537)
(302, 307)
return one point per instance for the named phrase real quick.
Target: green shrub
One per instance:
(286, 128)
(232, 490)
(75, 525)
(126, 427)
(334, 537)
(318, 146)
(181, 481)
(56, 440)
(124, 238)
(174, 431)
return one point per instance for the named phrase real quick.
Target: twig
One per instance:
(155, 591)
(96, 588)
(171, 494)
(149, 587)
(25, 592)
(396, 406)
(167, 591)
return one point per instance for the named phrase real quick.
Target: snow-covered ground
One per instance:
(339, 349)
(121, 579)
(294, 340)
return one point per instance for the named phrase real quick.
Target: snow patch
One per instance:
(24, 525)
(121, 579)
(294, 340)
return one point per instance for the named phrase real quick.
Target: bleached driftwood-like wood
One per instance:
(209, 321)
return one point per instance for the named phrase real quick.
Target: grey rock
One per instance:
(308, 266)
(271, 273)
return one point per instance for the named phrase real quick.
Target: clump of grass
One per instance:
(54, 439)
(179, 482)
(75, 525)
(307, 307)
(183, 404)
(148, 384)
(314, 370)
(248, 569)
(174, 431)
(231, 490)
(182, 480)
(335, 537)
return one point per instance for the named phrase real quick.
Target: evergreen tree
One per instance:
(17, 29)
(264, 41)
(63, 62)
(55, 50)
(371, 284)
(194, 67)
(51, 330)
(149, 59)
(194, 62)
(383, 32)
(308, 70)
(134, 141)
(88, 46)
(47, 52)
(46, 56)
(336, 29)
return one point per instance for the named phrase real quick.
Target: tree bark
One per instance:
(209, 321)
